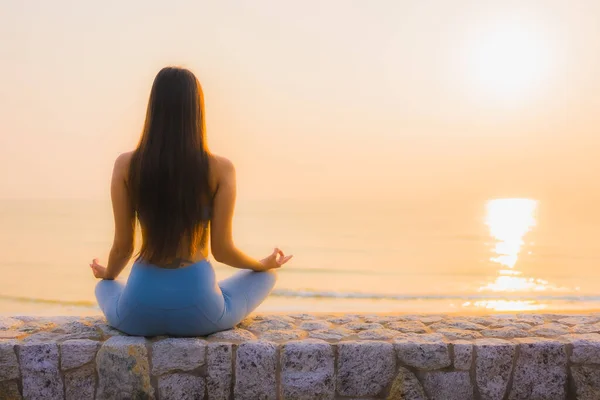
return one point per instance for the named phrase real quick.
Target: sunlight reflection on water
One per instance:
(509, 220)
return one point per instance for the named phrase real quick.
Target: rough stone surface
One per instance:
(9, 390)
(180, 387)
(549, 330)
(219, 370)
(7, 323)
(459, 334)
(314, 325)
(382, 319)
(304, 317)
(77, 352)
(587, 382)
(593, 328)
(406, 386)
(510, 324)
(448, 385)
(123, 369)
(77, 329)
(364, 368)
(9, 365)
(331, 334)
(362, 326)
(281, 335)
(458, 324)
(408, 326)
(578, 320)
(463, 355)
(425, 352)
(431, 319)
(540, 371)
(493, 367)
(270, 324)
(80, 384)
(170, 355)
(83, 358)
(40, 371)
(342, 319)
(238, 335)
(255, 370)
(586, 348)
(307, 370)
(378, 334)
(507, 332)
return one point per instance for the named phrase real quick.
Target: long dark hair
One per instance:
(168, 177)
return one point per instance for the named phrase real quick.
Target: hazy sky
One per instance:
(312, 98)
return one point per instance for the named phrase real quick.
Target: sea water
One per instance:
(363, 256)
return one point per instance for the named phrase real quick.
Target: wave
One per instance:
(314, 294)
(73, 303)
(406, 297)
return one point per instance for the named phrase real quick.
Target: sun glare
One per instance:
(509, 60)
(509, 220)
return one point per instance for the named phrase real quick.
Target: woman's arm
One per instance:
(124, 215)
(221, 232)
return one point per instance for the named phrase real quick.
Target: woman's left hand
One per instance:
(98, 270)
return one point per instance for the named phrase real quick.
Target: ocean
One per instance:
(495, 255)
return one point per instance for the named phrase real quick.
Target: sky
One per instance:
(315, 99)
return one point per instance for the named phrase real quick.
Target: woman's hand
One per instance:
(275, 260)
(98, 270)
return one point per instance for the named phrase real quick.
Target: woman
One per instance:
(179, 193)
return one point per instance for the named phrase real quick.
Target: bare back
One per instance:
(223, 185)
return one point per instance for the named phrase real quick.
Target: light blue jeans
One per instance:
(181, 302)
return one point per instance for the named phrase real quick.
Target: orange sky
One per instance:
(312, 99)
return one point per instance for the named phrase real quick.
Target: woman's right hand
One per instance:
(275, 260)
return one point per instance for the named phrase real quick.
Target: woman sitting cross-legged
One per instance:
(180, 194)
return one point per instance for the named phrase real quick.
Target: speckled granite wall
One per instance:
(308, 357)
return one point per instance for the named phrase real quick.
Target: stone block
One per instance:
(442, 385)
(307, 370)
(408, 326)
(180, 386)
(426, 352)
(587, 381)
(271, 324)
(80, 383)
(8, 323)
(541, 370)
(493, 367)
(463, 355)
(586, 348)
(77, 352)
(177, 354)
(219, 370)
(255, 371)
(506, 332)
(40, 371)
(406, 386)
(123, 369)
(283, 335)
(364, 368)
(235, 335)
(314, 325)
(9, 365)
(9, 390)
(459, 334)
(331, 334)
(549, 330)
(379, 334)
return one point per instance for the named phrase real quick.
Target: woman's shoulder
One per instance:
(123, 160)
(221, 165)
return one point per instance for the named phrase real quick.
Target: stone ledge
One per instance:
(308, 356)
